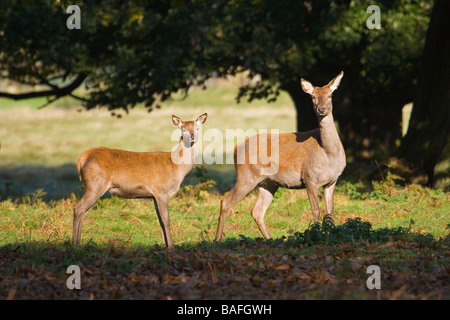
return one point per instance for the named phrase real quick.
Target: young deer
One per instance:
(137, 175)
(312, 159)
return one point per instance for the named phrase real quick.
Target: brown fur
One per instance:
(135, 175)
(305, 159)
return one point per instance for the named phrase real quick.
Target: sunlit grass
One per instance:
(58, 133)
(194, 217)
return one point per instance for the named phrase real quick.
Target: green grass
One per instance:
(39, 148)
(55, 135)
(195, 210)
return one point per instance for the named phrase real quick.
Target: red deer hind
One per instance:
(136, 175)
(310, 159)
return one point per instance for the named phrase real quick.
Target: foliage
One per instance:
(236, 269)
(356, 230)
(133, 52)
(145, 48)
(424, 145)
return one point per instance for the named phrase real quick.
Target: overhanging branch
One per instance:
(54, 92)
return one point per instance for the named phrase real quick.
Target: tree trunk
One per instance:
(428, 132)
(306, 118)
(368, 126)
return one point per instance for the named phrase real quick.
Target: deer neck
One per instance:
(329, 137)
(184, 156)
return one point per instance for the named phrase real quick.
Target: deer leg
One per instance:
(222, 216)
(328, 192)
(313, 200)
(240, 190)
(87, 201)
(162, 210)
(262, 203)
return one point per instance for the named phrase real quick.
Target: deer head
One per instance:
(189, 129)
(321, 96)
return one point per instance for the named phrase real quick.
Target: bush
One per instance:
(355, 230)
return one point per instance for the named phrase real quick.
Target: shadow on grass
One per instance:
(237, 268)
(59, 182)
(56, 182)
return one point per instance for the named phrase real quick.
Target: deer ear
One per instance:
(202, 118)
(177, 121)
(306, 86)
(334, 84)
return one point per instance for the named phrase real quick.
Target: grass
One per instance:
(194, 214)
(404, 229)
(55, 135)
(39, 147)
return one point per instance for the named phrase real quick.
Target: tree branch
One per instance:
(55, 91)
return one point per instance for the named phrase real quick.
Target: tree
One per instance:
(283, 41)
(127, 52)
(428, 133)
(130, 52)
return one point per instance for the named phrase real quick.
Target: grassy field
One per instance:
(404, 229)
(39, 148)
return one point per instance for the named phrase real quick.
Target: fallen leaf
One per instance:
(283, 267)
